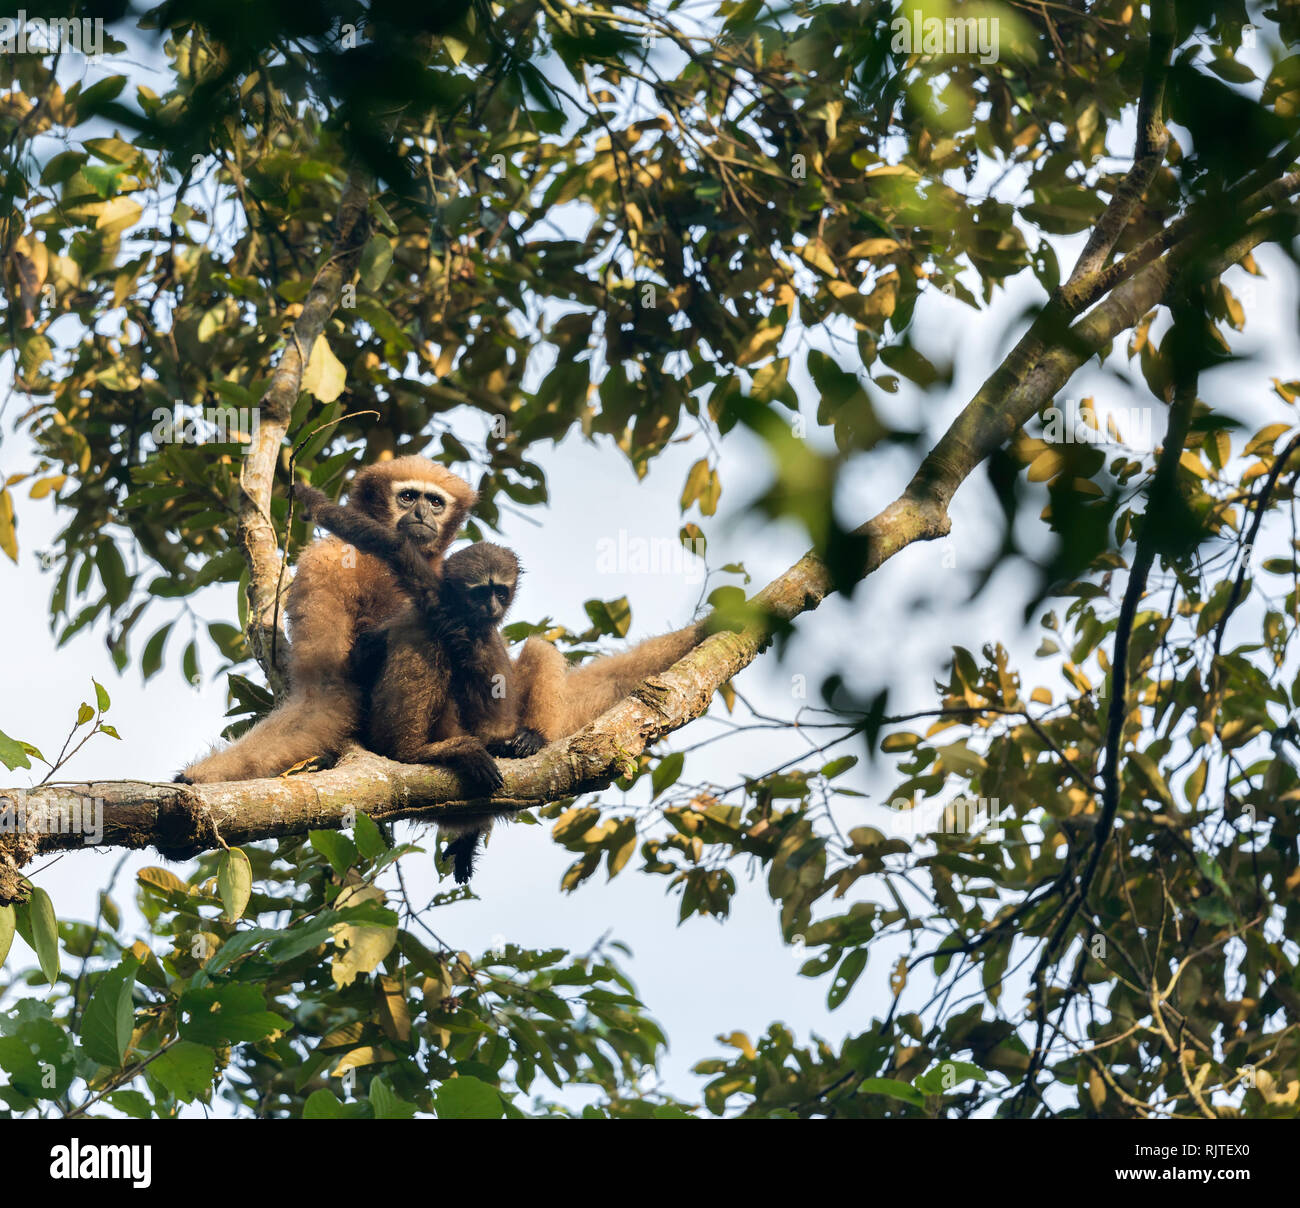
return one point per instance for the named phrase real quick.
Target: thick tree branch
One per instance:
(1148, 153)
(256, 531)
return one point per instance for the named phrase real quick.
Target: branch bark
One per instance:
(256, 531)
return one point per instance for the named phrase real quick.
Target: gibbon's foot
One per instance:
(479, 772)
(520, 745)
(462, 852)
(181, 778)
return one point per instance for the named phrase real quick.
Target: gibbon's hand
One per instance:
(520, 745)
(309, 498)
(479, 772)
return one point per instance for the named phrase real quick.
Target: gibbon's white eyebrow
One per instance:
(418, 485)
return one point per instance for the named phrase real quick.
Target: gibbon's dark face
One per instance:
(421, 510)
(479, 583)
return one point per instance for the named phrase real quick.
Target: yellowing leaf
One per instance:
(760, 344)
(324, 376)
(738, 1040)
(869, 249)
(359, 948)
(903, 740)
(8, 924)
(884, 298)
(8, 533)
(159, 878)
(234, 882)
(44, 486)
(1264, 440)
(116, 215)
(1046, 465)
(817, 254)
(366, 1055)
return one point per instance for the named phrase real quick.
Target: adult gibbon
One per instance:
(336, 593)
(438, 679)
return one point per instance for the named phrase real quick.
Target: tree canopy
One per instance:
(249, 241)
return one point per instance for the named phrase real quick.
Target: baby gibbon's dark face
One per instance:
(486, 603)
(421, 511)
(479, 584)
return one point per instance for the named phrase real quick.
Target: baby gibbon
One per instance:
(336, 593)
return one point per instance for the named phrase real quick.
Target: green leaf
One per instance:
(103, 178)
(666, 772)
(8, 924)
(947, 1076)
(837, 767)
(467, 1098)
(39, 912)
(376, 260)
(894, 1089)
(387, 1105)
(325, 1105)
(228, 1014)
(234, 883)
(186, 1070)
(101, 697)
(848, 973)
(336, 847)
(12, 753)
(131, 1103)
(368, 837)
(112, 572)
(106, 1026)
(151, 660)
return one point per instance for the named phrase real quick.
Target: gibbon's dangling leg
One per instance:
(558, 701)
(336, 592)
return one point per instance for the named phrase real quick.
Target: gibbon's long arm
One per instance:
(355, 527)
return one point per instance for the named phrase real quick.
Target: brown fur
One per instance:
(337, 592)
(438, 679)
(446, 681)
(557, 701)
